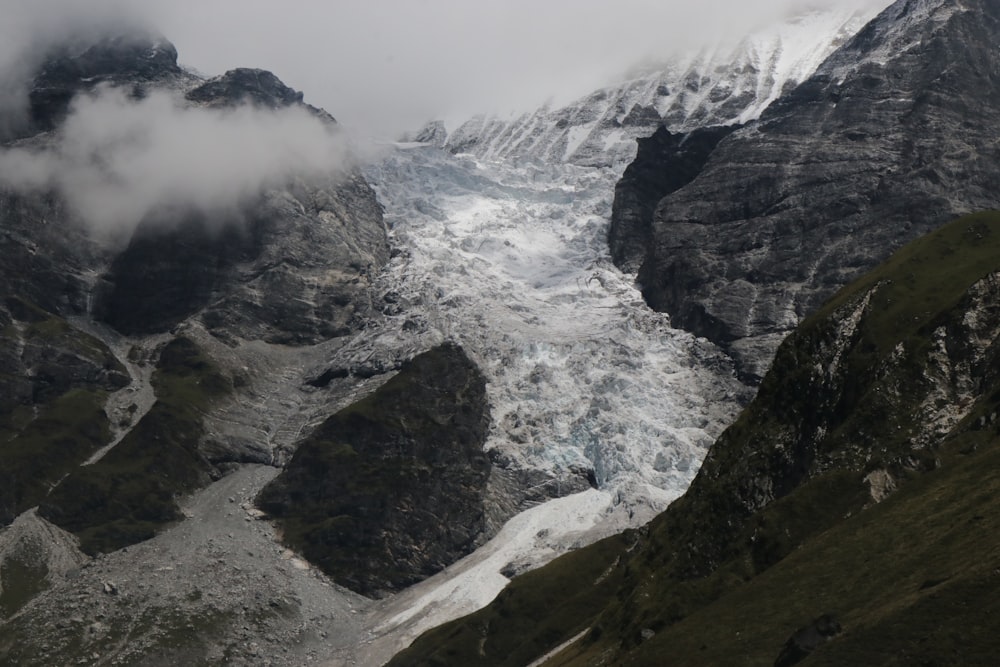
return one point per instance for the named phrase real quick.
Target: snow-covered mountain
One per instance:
(718, 85)
(502, 230)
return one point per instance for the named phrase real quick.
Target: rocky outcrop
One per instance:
(245, 86)
(136, 61)
(321, 247)
(295, 269)
(876, 148)
(390, 490)
(34, 554)
(808, 639)
(321, 241)
(665, 162)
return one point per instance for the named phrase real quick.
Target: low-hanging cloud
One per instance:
(118, 160)
(387, 66)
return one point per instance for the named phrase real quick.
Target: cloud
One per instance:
(118, 160)
(32, 29)
(386, 66)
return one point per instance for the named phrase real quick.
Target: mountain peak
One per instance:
(717, 85)
(135, 58)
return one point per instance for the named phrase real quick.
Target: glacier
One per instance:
(500, 226)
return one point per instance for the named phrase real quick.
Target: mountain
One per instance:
(876, 148)
(158, 344)
(314, 415)
(844, 518)
(719, 85)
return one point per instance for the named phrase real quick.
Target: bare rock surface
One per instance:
(875, 149)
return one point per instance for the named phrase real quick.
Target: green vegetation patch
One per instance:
(390, 490)
(132, 491)
(923, 279)
(54, 381)
(58, 438)
(536, 613)
(913, 580)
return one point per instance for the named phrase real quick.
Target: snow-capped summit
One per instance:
(718, 85)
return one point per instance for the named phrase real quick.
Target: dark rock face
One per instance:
(167, 274)
(241, 86)
(390, 490)
(294, 266)
(665, 163)
(51, 280)
(878, 147)
(320, 246)
(134, 60)
(295, 269)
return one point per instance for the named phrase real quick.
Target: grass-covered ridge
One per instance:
(925, 278)
(894, 384)
(132, 491)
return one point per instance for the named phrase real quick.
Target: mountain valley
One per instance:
(698, 365)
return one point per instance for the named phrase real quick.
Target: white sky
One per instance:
(384, 66)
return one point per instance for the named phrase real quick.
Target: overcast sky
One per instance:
(386, 65)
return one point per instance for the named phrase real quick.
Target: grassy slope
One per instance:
(538, 611)
(911, 577)
(43, 441)
(127, 495)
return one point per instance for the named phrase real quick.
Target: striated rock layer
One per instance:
(876, 148)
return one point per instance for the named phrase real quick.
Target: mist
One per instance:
(32, 29)
(382, 68)
(117, 160)
(387, 66)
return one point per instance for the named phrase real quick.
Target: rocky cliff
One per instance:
(835, 521)
(876, 148)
